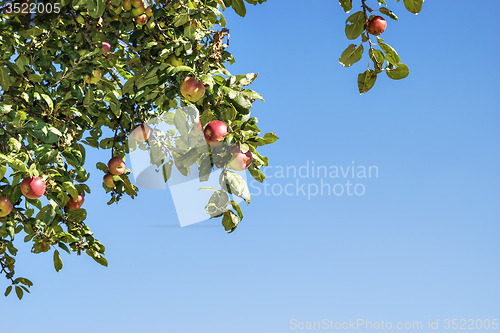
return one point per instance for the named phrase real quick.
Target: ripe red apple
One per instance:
(142, 19)
(75, 204)
(141, 133)
(116, 165)
(240, 161)
(96, 76)
(377, 25)
(5, 206)
(108, 180)
(215, 131)
(106, 47)
(33, 187)
(192, 90)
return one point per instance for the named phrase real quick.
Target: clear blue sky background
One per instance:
(421, 243)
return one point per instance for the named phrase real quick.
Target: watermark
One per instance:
(176, 156)
(311, 180)
(368, 325)
(170, 151)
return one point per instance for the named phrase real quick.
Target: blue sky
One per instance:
(421, 242)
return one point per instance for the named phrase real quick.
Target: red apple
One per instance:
(5, 206)
(141, 133)
(106, 47)
(75, 204)
(377, 25)
(240, 161)
(192, 90)
(142, 19)
(108, 180)
(33, 187)
(215, 131)
(116, 165)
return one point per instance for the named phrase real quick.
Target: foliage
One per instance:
(385, 58)
(62, 92)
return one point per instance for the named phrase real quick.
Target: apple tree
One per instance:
(80, 74)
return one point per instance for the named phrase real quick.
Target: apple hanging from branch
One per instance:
(240, 161)
(5, 206)
(192, 89)
(108, 180)
(141, 133)
(33, 187)
(75, 204)
(215, 131)
(141, 19)
(377, 25)
(116, 166)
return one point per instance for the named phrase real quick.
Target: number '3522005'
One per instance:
(24, 8)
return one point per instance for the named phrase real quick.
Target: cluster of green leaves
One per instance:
(385, 58)
(239, 5)
(50, 114)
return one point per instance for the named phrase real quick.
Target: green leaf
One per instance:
(96, 7)
(414, 6)
(4, 78)
(398, 73)
(19, 292)
(237, 208)
(178, 69)
(63, 247)
(256, 173)
(48, 100)
(366, 81)
(71, 189)
(239, 7)
(206, 189)
(390, 54)
(58, 264)
(167, 170)
(346, 5)
(230, 221)
(351, 55)
(355, 25)
(99, 258)
(3, 170)
(389, 13)
(8, 290)
(217, 203)
(378, 59)
(4, 108)
(24, 281)
(189, 32)
(238, 186)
